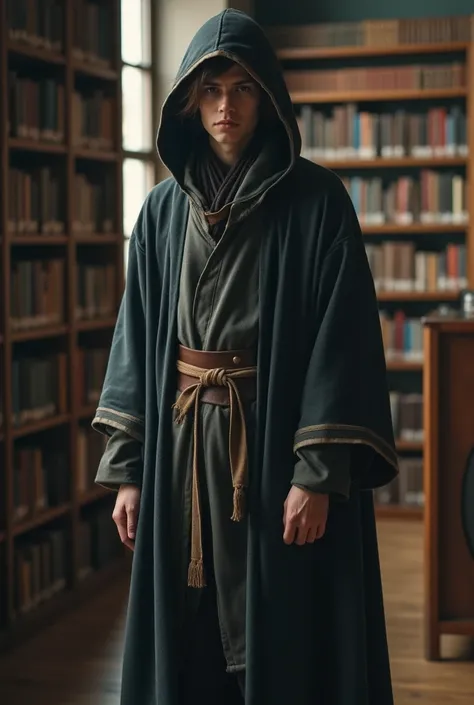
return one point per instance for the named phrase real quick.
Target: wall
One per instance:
(247, 6)
(178, 21)
(272, 12)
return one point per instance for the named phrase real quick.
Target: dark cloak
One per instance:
(315, 620)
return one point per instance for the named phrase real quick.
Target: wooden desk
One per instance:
(448, 384)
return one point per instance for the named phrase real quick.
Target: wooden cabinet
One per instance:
(449, 441)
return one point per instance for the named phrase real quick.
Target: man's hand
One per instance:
(305, 515)
(125, 513)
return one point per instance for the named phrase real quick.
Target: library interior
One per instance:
(383, 97)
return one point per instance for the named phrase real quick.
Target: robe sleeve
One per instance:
(121, 462)
(122, 401)
(325, 470)
(345, 397)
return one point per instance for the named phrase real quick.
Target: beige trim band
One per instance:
(367, 437)
(137, 419)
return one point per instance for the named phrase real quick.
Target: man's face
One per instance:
(229, 106)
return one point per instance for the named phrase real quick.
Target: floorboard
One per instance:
(77, 660)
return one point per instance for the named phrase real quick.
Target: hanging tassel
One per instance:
(185, 401)
(239, 501)
(181, 408)
(196, 574)
(180, 414)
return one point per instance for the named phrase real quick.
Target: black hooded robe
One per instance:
(315, 630)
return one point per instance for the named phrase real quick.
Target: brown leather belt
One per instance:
(224, 378)
(211, 360)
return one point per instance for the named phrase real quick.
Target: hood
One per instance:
(234, 34)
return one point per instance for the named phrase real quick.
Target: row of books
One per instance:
(36, 108)
(99, 542)
(93, 120)
(94, 32)
(39, 387)
(402, 336)
(91, 446)
(42, 557)
(41, 568)
(37, 293)
(429, 197)
(36, 111)
(93, 207)
(38, 288)
(372, 33)
(400, 266)
(91, 366)
(406, 490)
(35, 203)
(95, 290)
(40, 480)
(39, 23)
(39, 384)
(380, 78)
(346, 132)
(407, 416)
(40, 477)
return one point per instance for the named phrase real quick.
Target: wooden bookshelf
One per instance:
(311, 97)
(354, 52)
(409, 445)
(414, 229)
(394, 163)
(434, 296)
(449, 422)
(37, 53)
(404, 365)
(376, 96)
(29, 233)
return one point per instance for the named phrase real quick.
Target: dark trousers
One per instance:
(204, 677)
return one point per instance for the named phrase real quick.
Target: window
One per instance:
(138, 99)
(138, 179)
(137, 110)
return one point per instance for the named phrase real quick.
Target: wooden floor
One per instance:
(77, 661)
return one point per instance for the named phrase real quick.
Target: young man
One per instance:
(247, 407)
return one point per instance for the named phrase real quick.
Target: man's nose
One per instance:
(226, 102)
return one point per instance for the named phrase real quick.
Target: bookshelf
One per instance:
(389, 106)
(61, 275)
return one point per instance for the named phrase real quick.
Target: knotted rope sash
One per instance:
(190, 398)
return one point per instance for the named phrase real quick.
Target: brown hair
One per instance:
(208, 70)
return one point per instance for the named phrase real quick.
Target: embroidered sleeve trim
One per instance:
(118, 419)
(342, 433)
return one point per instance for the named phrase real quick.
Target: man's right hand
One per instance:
(125, 513)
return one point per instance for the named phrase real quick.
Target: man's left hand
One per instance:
(304, 517)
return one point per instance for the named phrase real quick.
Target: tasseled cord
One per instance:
(237, 453)
(196, 577)
(239, 503)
